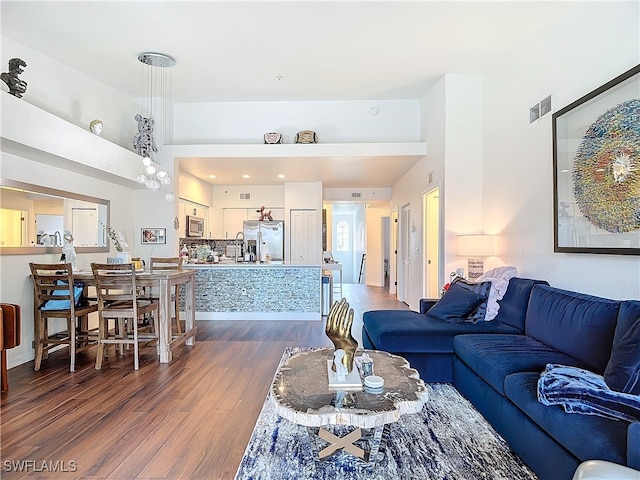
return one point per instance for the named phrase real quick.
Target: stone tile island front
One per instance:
(258, 291)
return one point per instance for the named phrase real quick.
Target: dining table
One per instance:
(164, 281)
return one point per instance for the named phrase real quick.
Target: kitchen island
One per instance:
(257, 291)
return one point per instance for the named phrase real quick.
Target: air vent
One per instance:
(356, 194)
(245, 196)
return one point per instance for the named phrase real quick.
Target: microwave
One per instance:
(195, 226)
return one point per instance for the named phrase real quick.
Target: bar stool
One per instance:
(57, 295)
(118, 301)
(168, 264)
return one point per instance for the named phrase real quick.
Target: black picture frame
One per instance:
(596, 170)
(153, 235)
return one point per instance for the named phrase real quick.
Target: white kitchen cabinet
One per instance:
(216, 223)
(233, 221)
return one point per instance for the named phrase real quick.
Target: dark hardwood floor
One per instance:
(190, 419)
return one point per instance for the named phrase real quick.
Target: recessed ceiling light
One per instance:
(246, 176)
(281, 176)
(212, 176)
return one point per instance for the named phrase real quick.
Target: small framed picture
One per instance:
(154, 235)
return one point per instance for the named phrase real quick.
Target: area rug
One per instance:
(449, 440)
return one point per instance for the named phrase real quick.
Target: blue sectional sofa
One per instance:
(497, 367)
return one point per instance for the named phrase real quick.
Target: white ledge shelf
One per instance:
(33, 133)
(410, 149)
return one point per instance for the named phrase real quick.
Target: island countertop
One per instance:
(232, 264)
(257, 291)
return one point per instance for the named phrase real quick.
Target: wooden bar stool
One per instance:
(57, 295)
(118, 301)
(164, 264)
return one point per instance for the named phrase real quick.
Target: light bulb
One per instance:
(146, 161)
(153, 185)
(169, 197)
(165, 180)
(162, 174)
(150, 169)
(141, 178)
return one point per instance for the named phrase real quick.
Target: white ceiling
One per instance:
(236, 50)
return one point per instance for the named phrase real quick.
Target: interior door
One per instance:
(405, 265)
(303, 238)
(393, 267)
(431, 235)
(85, 227)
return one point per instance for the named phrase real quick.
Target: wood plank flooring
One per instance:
(190, 419)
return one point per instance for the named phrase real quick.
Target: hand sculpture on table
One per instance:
(338, 330)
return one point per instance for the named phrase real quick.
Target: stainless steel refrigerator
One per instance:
(268, 237)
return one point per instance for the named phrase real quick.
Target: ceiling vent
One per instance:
(356, 194)
(245, 196)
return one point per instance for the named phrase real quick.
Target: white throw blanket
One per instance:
(499, 278)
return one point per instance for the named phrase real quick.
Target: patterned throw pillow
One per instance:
(481, 288)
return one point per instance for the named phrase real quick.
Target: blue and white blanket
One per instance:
(581, 391)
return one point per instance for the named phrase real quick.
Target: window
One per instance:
(342, 236)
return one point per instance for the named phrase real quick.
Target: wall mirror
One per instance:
(33, 219)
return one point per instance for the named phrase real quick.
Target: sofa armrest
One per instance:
(633, 445)
(426, 304)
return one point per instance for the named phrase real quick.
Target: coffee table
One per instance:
(301, 394)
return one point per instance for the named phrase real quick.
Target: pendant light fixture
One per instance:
(155, 123)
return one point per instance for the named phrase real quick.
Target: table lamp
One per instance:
(476, 247)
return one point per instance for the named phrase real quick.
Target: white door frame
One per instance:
(432, 242)
(404, 254)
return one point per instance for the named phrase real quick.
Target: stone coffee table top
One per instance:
(301, 394)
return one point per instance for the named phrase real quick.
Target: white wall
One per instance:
(567, 60)
(514, 199)
(333, 122)
(73, 96)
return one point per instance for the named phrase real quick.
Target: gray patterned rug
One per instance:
(449, 440)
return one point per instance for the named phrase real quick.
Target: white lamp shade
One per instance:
(476, 245)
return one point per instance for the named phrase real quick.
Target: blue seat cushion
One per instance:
(513, 306)
(78, 288)
(580, 325)
(493, 357)
(574, 431)
(623, 369)
(400, 331)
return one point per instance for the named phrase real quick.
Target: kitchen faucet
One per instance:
(57, 239)
(237, 245)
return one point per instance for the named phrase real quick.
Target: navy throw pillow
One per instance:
(78, 287)
(622, 373)
(481, 288)
(456, 304)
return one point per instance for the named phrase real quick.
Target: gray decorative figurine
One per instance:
(16, 86)
(143, 140)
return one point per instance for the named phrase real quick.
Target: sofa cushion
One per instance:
(493, 357)
(623, 369)
(481, 288)
(586, 436)
(574, 323)
(513, 306)
(399, 331)
(456, 304)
